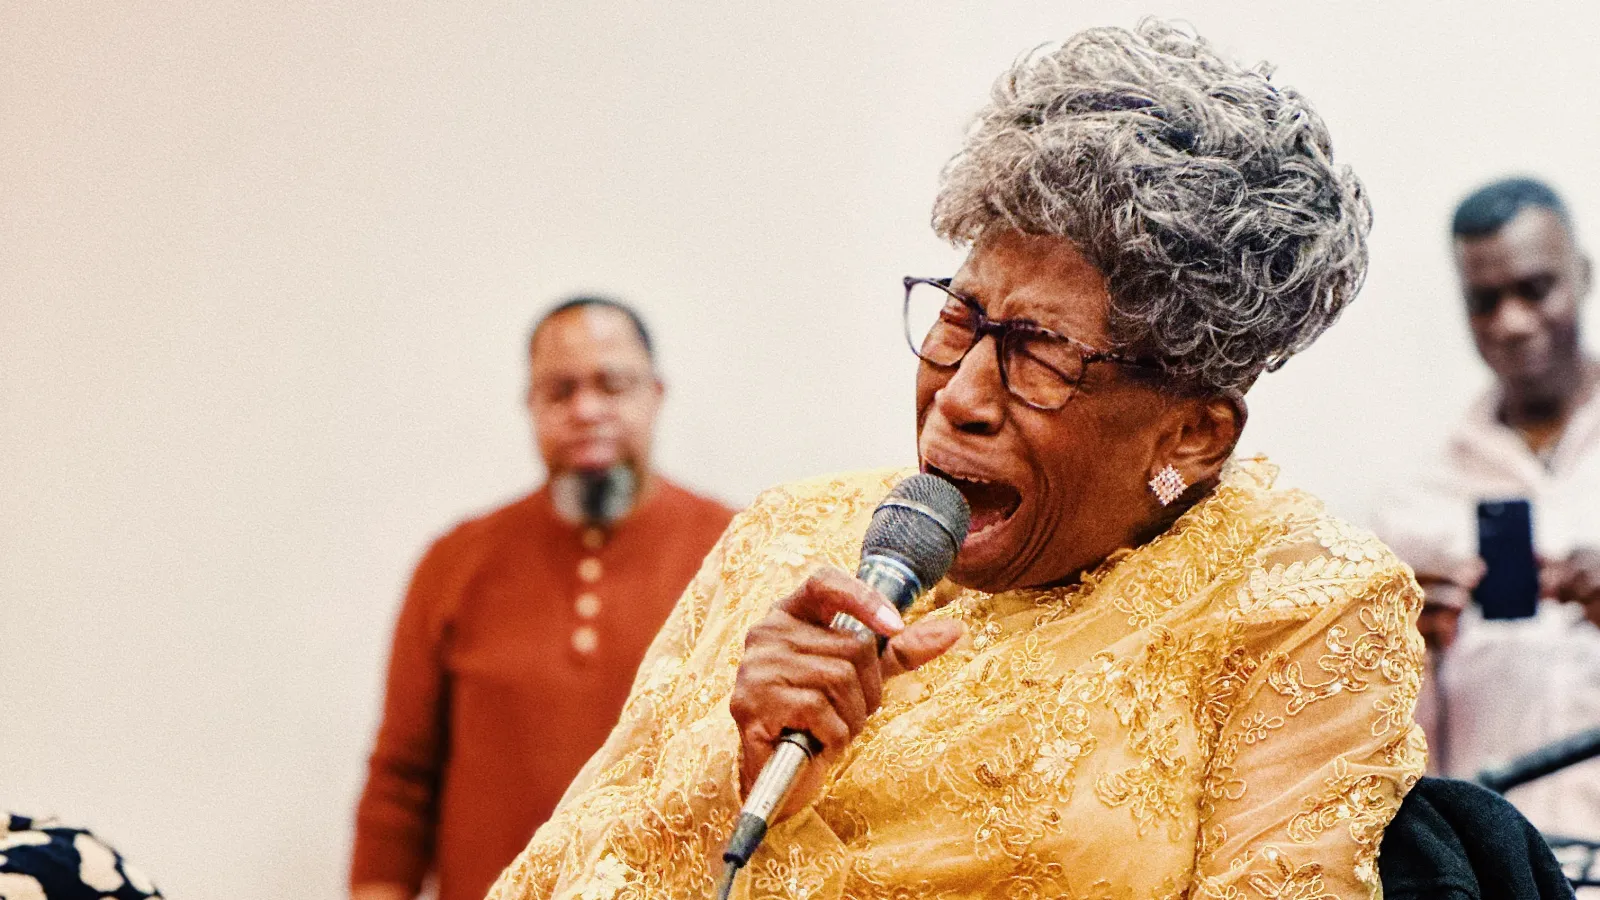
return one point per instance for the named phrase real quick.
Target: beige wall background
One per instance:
(266, 270)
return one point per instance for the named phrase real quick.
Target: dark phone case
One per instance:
(1510, 586)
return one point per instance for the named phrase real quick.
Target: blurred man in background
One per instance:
(517, 643)
(1509, 680)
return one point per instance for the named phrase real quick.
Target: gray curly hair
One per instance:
(1206, 195)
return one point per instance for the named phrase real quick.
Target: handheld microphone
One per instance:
(910, 544)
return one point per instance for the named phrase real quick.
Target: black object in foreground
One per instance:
(1454, 840)
(911, 542)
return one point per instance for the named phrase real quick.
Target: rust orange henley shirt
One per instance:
(513, 653)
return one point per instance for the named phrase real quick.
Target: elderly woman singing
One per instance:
(1149, 673)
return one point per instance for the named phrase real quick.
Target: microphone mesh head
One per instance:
(926, 541)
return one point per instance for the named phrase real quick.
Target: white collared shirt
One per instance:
(1508, 687)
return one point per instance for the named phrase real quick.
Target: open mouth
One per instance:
(992, 502)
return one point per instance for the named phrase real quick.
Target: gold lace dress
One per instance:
(1224, 712)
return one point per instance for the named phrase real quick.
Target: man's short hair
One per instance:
(1487, 209)
(586, 300)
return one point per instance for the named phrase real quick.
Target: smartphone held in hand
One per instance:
(1510, 585)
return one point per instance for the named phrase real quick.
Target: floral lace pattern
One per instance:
(1224, 712)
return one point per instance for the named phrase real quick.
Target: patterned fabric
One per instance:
(1225, 712)
(41, 858)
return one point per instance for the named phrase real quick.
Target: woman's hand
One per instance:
(797, 674)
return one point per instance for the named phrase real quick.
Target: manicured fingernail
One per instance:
(889, 619)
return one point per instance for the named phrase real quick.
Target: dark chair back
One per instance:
(1455, 840)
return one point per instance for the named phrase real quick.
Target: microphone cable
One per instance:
(725, 885)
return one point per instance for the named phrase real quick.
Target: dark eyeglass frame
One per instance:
(611, 384)
(1002, 329)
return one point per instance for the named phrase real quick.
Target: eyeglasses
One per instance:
(1037, 366)
(612, 384)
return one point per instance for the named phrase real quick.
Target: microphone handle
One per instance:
(795, 749)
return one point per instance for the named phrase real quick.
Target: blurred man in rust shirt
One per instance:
(518, 640)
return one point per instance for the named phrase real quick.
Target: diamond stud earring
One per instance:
(1168, 485)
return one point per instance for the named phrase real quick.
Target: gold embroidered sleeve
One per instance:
(1320, 746)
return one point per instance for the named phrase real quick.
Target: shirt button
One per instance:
(589, 570)
(585, 640)
(593, 538)
(588, 606)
